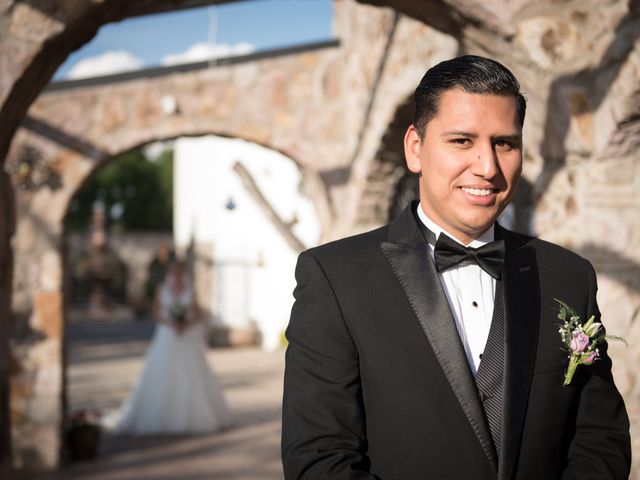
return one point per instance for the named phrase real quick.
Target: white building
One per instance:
(244, 266)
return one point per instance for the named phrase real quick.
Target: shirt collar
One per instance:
(483, 239)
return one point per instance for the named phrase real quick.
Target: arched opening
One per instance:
(101, 122)
(129, 201)
(240, 218)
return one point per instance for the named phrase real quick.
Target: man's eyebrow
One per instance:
(460, 133)
(509, 138)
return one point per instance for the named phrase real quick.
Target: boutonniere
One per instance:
(581, 340)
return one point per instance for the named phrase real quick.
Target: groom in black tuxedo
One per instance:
(414, 357)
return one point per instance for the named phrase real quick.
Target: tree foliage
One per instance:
(137, 194)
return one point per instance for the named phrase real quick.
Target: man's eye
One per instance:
(460, 141)
(504, 145)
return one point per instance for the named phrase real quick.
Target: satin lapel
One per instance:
(415, 270)
(522, 313)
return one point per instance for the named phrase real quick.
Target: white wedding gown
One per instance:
(177, 392)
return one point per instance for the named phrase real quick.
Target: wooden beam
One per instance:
(284, 228)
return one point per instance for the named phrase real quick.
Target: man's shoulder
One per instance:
(547, 251)
(350, 247)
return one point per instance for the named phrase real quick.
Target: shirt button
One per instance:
(475, 304)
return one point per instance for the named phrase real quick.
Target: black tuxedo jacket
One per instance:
(377, 384)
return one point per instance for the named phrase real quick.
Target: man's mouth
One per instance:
(480, 192)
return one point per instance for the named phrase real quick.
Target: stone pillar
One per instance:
(37, 383)
(7, 227)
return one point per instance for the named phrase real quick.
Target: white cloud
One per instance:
(113, 61)
(200, 52)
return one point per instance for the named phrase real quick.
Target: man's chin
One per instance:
(475, 229)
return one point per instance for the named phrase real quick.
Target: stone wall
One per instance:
(135, 250)
(7, 225)
(339, 113)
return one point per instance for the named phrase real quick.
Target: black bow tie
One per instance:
(449, 253)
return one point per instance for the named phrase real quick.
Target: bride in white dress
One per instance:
(177, 391)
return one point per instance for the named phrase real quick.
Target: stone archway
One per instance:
(390, 186)
(292, 101)
(39, 310)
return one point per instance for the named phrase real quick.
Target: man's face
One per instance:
(469, 161)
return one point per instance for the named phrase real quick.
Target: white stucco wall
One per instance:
(253, 266)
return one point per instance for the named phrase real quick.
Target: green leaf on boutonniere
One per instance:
(564, 309)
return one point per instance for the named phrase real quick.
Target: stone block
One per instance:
(50, 271)
(112, 115)
(624, 377)
(618, 304)
(21, 392)
(610, 173)
(15, 56)
(36, 447)
(48, 312)
(332, 79)
(549, 41)
(32, 24)
(45, 408)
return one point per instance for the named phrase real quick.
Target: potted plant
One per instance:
(82, 435)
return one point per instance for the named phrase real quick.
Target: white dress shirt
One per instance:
(470, 292)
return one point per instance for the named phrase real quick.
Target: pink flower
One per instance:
(579, 342)
(590, 358)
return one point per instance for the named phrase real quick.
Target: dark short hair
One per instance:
(470, 73)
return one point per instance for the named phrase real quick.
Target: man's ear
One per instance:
(412, 147)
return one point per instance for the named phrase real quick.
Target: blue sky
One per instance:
(264, 24)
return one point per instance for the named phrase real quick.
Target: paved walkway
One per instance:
(106, 356)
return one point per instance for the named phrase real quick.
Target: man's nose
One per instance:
(485, 163)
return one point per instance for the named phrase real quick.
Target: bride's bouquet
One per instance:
(178, 313)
